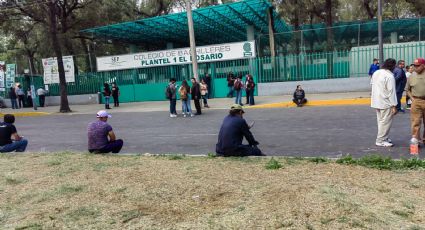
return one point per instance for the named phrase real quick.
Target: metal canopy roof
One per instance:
(213, 25)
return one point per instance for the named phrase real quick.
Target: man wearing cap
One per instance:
(101, 136)
(232, 131)
(415, 89)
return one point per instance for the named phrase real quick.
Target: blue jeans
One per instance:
(19, 146)
(106, 102)
(251, 97)
(231, 90)
(186, 108)
(14, 103)
(205, 99)
(238, 99)
(173, 106)
(399, 96)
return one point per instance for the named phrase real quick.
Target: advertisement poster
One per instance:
(51, 71)
(210, 53)
(10, 75)
(2, 73)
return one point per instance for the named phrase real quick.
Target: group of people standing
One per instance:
(20, 98)
(389, 81)
(114, 91)
(198, 91)
(236, 86)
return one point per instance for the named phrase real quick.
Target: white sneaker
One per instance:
(389, 140)
(192, 115)
(384, 144)
(184, 115)
(171, 115)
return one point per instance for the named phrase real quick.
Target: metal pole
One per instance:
(88, 50)
(381, 45)
(419, 29)
(192, 40)
(32, 87)
(358, 37)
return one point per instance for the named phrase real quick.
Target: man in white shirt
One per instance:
(384, 100)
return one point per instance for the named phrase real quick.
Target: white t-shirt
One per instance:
(408, 74)
(383, 90)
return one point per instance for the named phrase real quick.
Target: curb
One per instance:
(27, 114)
(340, 102)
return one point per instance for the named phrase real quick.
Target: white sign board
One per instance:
(211, 53)
(51, 71)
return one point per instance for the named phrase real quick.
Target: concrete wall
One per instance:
(84, 99)
(360, 84)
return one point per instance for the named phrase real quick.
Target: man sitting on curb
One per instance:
(232, 131)
(299, 96)
(98, 133)
(8, 130)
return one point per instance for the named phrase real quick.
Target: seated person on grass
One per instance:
(232, 132)
(98, 134)
(9, 138)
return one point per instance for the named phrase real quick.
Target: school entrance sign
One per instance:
(210, 53)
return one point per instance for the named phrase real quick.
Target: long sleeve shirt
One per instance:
(400, 79)
(232, 132)
(383, 90)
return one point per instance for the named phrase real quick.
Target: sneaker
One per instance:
(384, 144)
(184, 115)
(192, 115)
(173, 115)
(389, 140)
(401, 111)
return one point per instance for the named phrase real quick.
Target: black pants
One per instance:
(242, 151)
(197, 106)
(116, 102)
(41, 99)
(29, 101)
(248, 92)
(299, 102)
(113, 146)
(21, 101)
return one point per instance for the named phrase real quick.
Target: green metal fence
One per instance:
(149, 83)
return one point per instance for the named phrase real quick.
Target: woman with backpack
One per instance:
(184, 92)
(237, 86)
(106, 94)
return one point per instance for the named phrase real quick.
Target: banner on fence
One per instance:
(51, 70)
(2, 73)
(211, 53)
(10, 75)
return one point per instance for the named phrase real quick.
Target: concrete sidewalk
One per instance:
(329, 99)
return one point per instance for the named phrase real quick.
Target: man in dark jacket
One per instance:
(207, 80)
(230, 83)
(400, 83)
(232, 132)
(196, 95)
(299, 96)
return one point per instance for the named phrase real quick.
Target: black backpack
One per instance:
(168, 93)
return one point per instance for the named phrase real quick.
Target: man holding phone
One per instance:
(9, 138)
(232, 132)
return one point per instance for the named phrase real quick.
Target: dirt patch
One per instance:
(81, 191)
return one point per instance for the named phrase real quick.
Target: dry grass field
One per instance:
(85, 191)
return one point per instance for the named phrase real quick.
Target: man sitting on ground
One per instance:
(232, 131)
(299, 96)
(8, 130)
(98, 134)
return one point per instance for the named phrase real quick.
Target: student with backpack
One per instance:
(184, 91)
(170, 94)
(237, 86)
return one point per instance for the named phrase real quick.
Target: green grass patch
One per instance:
(83, 213)
(13, 180)
(383, 162)
(127, 216)
(318, 160)
(69, 189)
(176, 157)
(273, 164)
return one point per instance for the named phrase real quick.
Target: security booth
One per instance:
(226, 42)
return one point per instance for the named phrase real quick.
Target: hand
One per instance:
(394, 110)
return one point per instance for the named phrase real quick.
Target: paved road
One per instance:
(308, 131)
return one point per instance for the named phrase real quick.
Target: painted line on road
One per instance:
(27, 114)
(339, 102)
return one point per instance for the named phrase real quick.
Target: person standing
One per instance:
(115, 94)
(232, 132)
(230, 82)
(204, 92)
(250, 88)
(13, 97)
(184, 97)
(101, 137)
(29, 97)
(299, 96)
(170, 92)
(400, 83)
(41, 93)
(196, 95)
(238, 86)
(21, 96)
(374, 67)
(384, 100)
(409, 71)
(106, 94)
(7, 132)
(415, 89)
(207, 79)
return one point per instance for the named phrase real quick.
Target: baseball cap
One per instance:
(419, 61)
(102, 113)
(237, 107)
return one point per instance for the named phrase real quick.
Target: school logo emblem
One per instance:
(247, 50)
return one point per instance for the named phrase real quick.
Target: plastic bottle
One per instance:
(414, 146)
